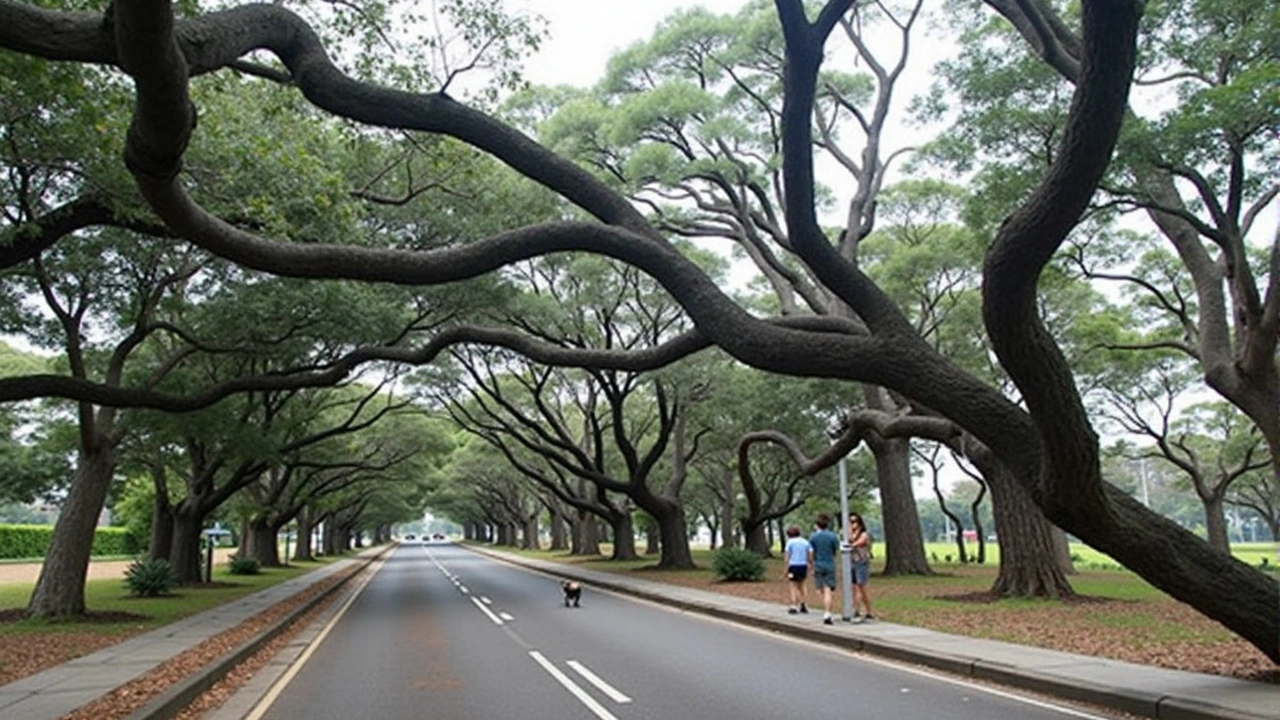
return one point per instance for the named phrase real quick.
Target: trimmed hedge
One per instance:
(32, 541)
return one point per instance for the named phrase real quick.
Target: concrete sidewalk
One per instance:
(1137, 689)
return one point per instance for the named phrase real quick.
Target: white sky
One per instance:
(583, 34)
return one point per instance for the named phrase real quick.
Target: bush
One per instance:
(113, 541)
(150, 577)
(239, 565)
(737, 564)
(20, 542)
(24, 541)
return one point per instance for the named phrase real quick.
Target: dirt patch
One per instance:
(985, 597)
(10, 616)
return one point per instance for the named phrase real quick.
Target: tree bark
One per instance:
(530, 534)
(586, 535)
(624, 536)
(161, 529)
(675, 536)
(1031, 548)
(184, 553)
(1215, 522)
(1029, 559)
(559, 539)
(263, 546)
(59, 590)
(302, 550)
(903, 538)
(726, 508)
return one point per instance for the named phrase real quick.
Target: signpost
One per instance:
(846, 549)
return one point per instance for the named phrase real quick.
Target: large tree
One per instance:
(1049, 446)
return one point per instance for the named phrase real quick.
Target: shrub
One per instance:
(24, 541)
(113, 541)
(737, 564)
(150, 577)
(32, 541)
(240, 565)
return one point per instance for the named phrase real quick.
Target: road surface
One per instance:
(442, 632)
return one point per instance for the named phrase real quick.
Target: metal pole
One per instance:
(208, 563)
(846, 549)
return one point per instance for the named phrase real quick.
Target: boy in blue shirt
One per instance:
(823, 546)
(797, 555)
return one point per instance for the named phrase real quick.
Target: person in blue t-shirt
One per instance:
(797, 557)
(823, 546)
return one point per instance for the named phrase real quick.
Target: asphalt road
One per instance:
(441, 632)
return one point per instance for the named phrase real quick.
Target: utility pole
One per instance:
(846, 549)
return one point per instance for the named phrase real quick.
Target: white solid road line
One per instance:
(280, 684)
(496, 620)
(599, 682)
(572, 687)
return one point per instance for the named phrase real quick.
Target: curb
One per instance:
(178, 696)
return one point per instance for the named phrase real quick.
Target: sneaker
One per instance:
(827, 620)
(792, 611)
(867, 616)
(803, 609)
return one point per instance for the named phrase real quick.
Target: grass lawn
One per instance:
(1261, 555)
(28, 646)
(110, 597)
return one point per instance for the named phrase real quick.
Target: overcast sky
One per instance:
(583, 34)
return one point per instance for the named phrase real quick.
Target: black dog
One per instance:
(572, 592)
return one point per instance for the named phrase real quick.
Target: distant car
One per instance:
(411, 536)
(438, 536)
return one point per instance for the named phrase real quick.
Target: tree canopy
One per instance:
(1044, 438)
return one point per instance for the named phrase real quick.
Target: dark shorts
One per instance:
(861, 571)
(797, 573)
(824, 577)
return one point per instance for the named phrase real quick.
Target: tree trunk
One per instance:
(59, 591)
(652, 546)
(158, 547)
(531, 540)
(329, 538)
(184, 553)
(263, 546)
(726, 508)
(675, 537)
(962, 552)
(559, 540)
(244, 544)
(903, 539)
(1062, 549)
(587, 535)
(1215, 523)
(302, 550)
(1030, 550)
(755, 539)
(624, 536)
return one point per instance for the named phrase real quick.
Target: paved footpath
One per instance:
(1137, 689)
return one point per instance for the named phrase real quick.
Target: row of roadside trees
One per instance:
(924, 312)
